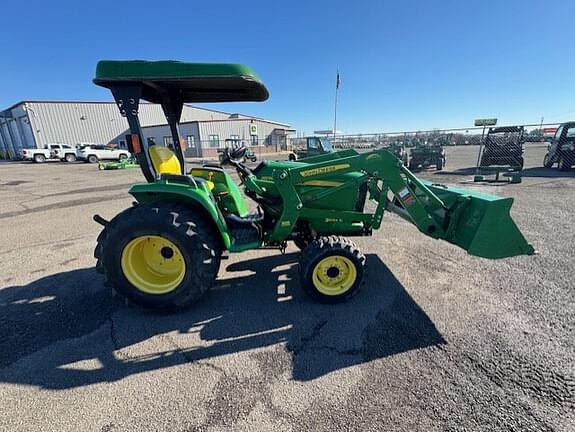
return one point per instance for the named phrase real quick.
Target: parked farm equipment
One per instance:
(501, 152)
(427, 154)
(164, 253)
(128, 163)
(561, 150)
(314, 146)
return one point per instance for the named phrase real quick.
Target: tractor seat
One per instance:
(168, 167)
(164, 160)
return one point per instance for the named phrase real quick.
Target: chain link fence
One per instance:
(475, 150)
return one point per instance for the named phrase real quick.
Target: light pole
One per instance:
(337, 82)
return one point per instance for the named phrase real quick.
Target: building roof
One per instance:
(232, 116)
(95, 102)
(248, 119)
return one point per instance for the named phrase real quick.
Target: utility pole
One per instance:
(541, 128)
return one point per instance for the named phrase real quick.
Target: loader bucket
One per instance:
(481, 223)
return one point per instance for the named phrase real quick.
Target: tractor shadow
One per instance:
(539, 172)
(470, 171)
(65, 331)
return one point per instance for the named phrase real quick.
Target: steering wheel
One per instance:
(234, 156)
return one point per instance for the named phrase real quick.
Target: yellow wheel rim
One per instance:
(153, 264)
(334, 275)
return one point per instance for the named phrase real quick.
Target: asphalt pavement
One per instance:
(436, 340)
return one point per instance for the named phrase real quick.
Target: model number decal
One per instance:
(323, 170)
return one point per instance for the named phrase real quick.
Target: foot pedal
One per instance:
(245, 229)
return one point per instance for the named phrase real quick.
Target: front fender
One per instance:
(184, 193)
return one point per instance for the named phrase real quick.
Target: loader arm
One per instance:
(479, 223)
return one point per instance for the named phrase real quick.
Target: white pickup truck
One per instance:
(97, 152)
(62, 152)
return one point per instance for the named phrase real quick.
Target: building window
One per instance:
(235, 137)
(191, 141)
(151, 141)
(122, 144)
(168, 142)
(214, 140)
(254, 140)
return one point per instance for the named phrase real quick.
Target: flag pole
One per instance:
(335, 105)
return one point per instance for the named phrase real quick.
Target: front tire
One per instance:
(439, 164)
(123, 156)
(332, 269)
(161, 256)
(547, 161)
(92, 159)
(70, 158)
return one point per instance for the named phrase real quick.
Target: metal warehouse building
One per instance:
(204, 137)
(31, 124)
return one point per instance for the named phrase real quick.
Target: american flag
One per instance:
(337, 81)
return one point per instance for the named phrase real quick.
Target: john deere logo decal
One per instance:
(323, 170)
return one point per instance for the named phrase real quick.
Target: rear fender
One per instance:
(197, 198)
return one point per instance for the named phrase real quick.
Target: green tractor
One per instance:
(427, 154)
(164, 252)
(314, 146)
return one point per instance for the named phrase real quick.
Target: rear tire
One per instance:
(92, 159)
(123, 156)
(564, 163)
(292, 157)
(39, 158)
(70, 158)
(161, 256)
(331, 269)
(521, 163)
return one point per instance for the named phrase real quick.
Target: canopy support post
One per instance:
(127, 96)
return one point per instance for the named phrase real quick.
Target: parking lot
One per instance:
(436, 339)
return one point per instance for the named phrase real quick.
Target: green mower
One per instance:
(164, 252)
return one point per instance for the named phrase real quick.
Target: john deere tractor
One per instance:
(164, 252)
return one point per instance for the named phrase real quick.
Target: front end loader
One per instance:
(164, 253)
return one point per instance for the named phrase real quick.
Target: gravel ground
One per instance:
(436, 340)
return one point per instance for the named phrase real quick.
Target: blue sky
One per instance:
(404, 65)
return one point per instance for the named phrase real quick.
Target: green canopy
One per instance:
(189, 82)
